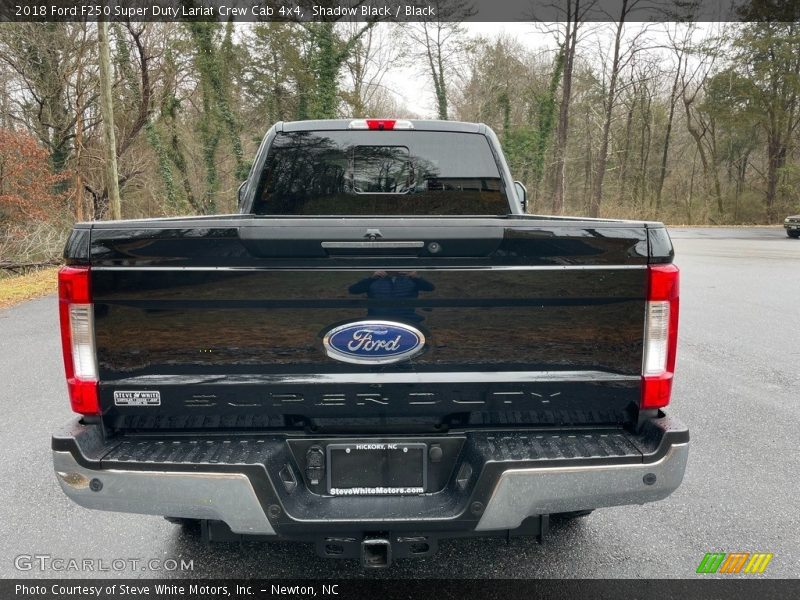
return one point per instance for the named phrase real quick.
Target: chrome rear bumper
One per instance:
(227, 497)
(523, 493)
(497, 480)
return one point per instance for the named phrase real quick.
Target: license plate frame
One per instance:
(376, 468)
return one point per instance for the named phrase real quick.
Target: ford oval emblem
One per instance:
(373, 342)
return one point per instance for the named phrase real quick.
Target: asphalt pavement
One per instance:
(737, 387)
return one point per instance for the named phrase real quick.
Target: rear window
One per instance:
(380, 173)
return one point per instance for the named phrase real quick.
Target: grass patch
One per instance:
(18, 288)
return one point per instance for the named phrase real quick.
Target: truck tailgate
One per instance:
(526, 321)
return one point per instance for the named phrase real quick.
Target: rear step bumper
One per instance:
(521, 493)
(253, 484)
(227, 497)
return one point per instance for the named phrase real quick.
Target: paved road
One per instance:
(737, 388)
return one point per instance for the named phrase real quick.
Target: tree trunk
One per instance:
(436, 66)
(588, 179)
(441, 95)
(647, 139)
(690, 194)
(107, 110)
(602, 159)
(709, 167)
(623, 167)
(673, 99)
(698, 140)
(715, 171)
(545, 117)
(562, 130)
(79, 214)
(78, 145)
(741, 174)
(327, 71)
(776, 158)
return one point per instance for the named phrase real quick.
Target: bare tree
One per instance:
(574, 15)
(698, 124)
(647, 74)
(680, 47)
(80, 103)
(374, 54)
(619, 61)
(107, 109)
(438, 43)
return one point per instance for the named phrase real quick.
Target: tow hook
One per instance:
(376, 553)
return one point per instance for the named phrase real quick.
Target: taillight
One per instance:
(381, 124)
(660, 335)
(77, 338)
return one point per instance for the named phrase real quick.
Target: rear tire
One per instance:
(189, 525)
(575, 514)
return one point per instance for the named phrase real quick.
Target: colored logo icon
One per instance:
(734, 562)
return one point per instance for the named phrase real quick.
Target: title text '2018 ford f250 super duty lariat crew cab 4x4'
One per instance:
(381, 350)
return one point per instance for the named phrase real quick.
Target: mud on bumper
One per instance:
(488, 481)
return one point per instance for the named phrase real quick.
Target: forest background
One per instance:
(687, 123)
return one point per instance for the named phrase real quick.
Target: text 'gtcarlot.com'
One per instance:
(47, 562)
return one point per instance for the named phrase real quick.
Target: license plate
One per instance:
(377, 468)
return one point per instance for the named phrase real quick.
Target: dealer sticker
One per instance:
(137, 398)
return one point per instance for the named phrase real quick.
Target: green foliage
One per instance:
(164, 167)
(764, 89)
(326, 52)
(174, 151)
(546, 112)
(212, 59)
(271, 83)
(520, 145)
(790, 188)
(526, 146)
(124, 65)
(324, 63)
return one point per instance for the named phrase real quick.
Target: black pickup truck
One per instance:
(380, 350)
